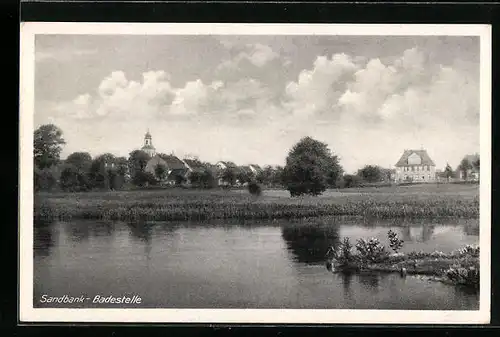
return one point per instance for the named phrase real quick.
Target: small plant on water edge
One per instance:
(469, 250)
(465, 274)
(343, 255)
(394, 242)
(371, 251)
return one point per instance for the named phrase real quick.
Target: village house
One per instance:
(415, 166)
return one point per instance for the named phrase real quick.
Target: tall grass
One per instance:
(201, 205)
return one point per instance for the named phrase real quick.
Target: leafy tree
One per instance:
(350, 180)
(195, 178)
(243, 177)
(208, 179)
(448, 171)
(371, 173)
(335, 172)
(44, 180)
(464, 167)
(254, 189)
(160, 172)
(228, 175)
(143, 178)
(47, 147)
(308, 166)
(265, 176)
(101, 171)
(80, 160)
(137, 161)
(476, 164)
(278, 177)
(74, 179)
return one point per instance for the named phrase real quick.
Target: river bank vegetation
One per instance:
(185, 204)
(460, 267)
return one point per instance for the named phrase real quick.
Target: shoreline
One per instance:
(459, 268)
(178, 205)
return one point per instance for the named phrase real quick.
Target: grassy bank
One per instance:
(459, 268)
(181, 204)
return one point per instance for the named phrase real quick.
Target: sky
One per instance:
(249, 99)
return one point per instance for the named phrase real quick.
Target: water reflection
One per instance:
(43, 240)
(310, 243)
(424, 234)
(370, 280)
(81, 231)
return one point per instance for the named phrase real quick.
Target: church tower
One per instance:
(148, 145)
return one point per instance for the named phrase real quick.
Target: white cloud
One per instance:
(367, 110)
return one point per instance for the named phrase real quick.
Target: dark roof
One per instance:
(173, 163)
(229, 164)
(245, 169)
(257, 167)
(426, 160)
(194, 164)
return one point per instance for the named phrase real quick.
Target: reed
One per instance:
(201, 205)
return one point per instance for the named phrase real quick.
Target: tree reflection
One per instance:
(77, 231)
(310, 243)
(140, 231)
(406, 233)
(43, 239)
(427, 232)
(370, 280)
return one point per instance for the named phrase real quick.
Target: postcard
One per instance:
(255, 173)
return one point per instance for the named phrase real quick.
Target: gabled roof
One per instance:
(194, 164)
(426, 160)
(229, 164)
(172, 162)
(245, 169)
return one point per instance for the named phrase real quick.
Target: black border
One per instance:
(470, 13)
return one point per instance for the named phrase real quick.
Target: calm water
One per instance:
(223, 265)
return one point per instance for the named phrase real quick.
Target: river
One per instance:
(238, 265)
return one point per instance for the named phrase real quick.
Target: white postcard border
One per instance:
(264, 316)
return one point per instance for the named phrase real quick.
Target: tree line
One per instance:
(310, 168)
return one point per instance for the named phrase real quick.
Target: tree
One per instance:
(74, 179)
(350, 180)
(464, 167)
(371, 173)
(277, 176)
(44, 180)
(143, 178)
(80, 160)
(228, 175)
(102, 172)
(335, 172)
(47, 145)
(137, 161)
(448, 171)
(476, 164)
(160, 172)
(307, 168)
(243, 177)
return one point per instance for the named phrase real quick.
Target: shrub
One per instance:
(254, 189)
(394, 242)
(465, 275)
(371, 250)
(343, 255)
(469, 250)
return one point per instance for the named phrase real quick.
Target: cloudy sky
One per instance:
(250, 98)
